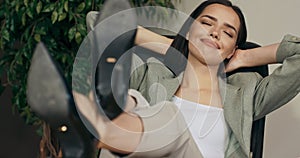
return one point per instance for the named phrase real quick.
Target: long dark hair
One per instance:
(180, 42)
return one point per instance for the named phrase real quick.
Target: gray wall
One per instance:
(268, 21)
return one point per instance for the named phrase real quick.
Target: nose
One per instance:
(214, 34)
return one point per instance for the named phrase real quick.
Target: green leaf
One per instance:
(78, 37)
(26, 33)
(39, 7)
(29, 13)
(19, 60)
(17, 7)
(80, 7)
(70, 16)
(62, 16)
(39, 131)
(24, 19)
(66, 6)
(5, 34)
(28, 55)
(81, 28)
(26, 3)
(54, 17)
(64, 58)
(60, 7)
(49, 8)
(88, 4)
(71, 33)
(41, 29)
(37, 37)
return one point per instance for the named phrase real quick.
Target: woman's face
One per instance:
(213, 35)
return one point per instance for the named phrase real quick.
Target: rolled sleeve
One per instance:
(283, 84)
(289, 46)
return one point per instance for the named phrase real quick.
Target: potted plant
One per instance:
(60, 25)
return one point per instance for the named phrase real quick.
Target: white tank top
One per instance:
(207, 126)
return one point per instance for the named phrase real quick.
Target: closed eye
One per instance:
(228, 34)
(206, 23)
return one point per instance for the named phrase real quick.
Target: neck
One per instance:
(200, 75)
(200, 84)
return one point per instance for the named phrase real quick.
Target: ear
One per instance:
(232, 53)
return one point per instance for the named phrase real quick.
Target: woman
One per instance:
(158, 130)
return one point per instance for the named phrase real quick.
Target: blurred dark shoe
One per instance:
(50, 98)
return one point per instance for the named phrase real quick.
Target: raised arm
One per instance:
(152, 41)
(144, 37)
(283, 84)
(253, 57)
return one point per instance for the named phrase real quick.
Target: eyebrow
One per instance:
(215, 19)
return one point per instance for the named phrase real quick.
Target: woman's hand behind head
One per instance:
(238, 60)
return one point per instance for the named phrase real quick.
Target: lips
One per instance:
(210, 43)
